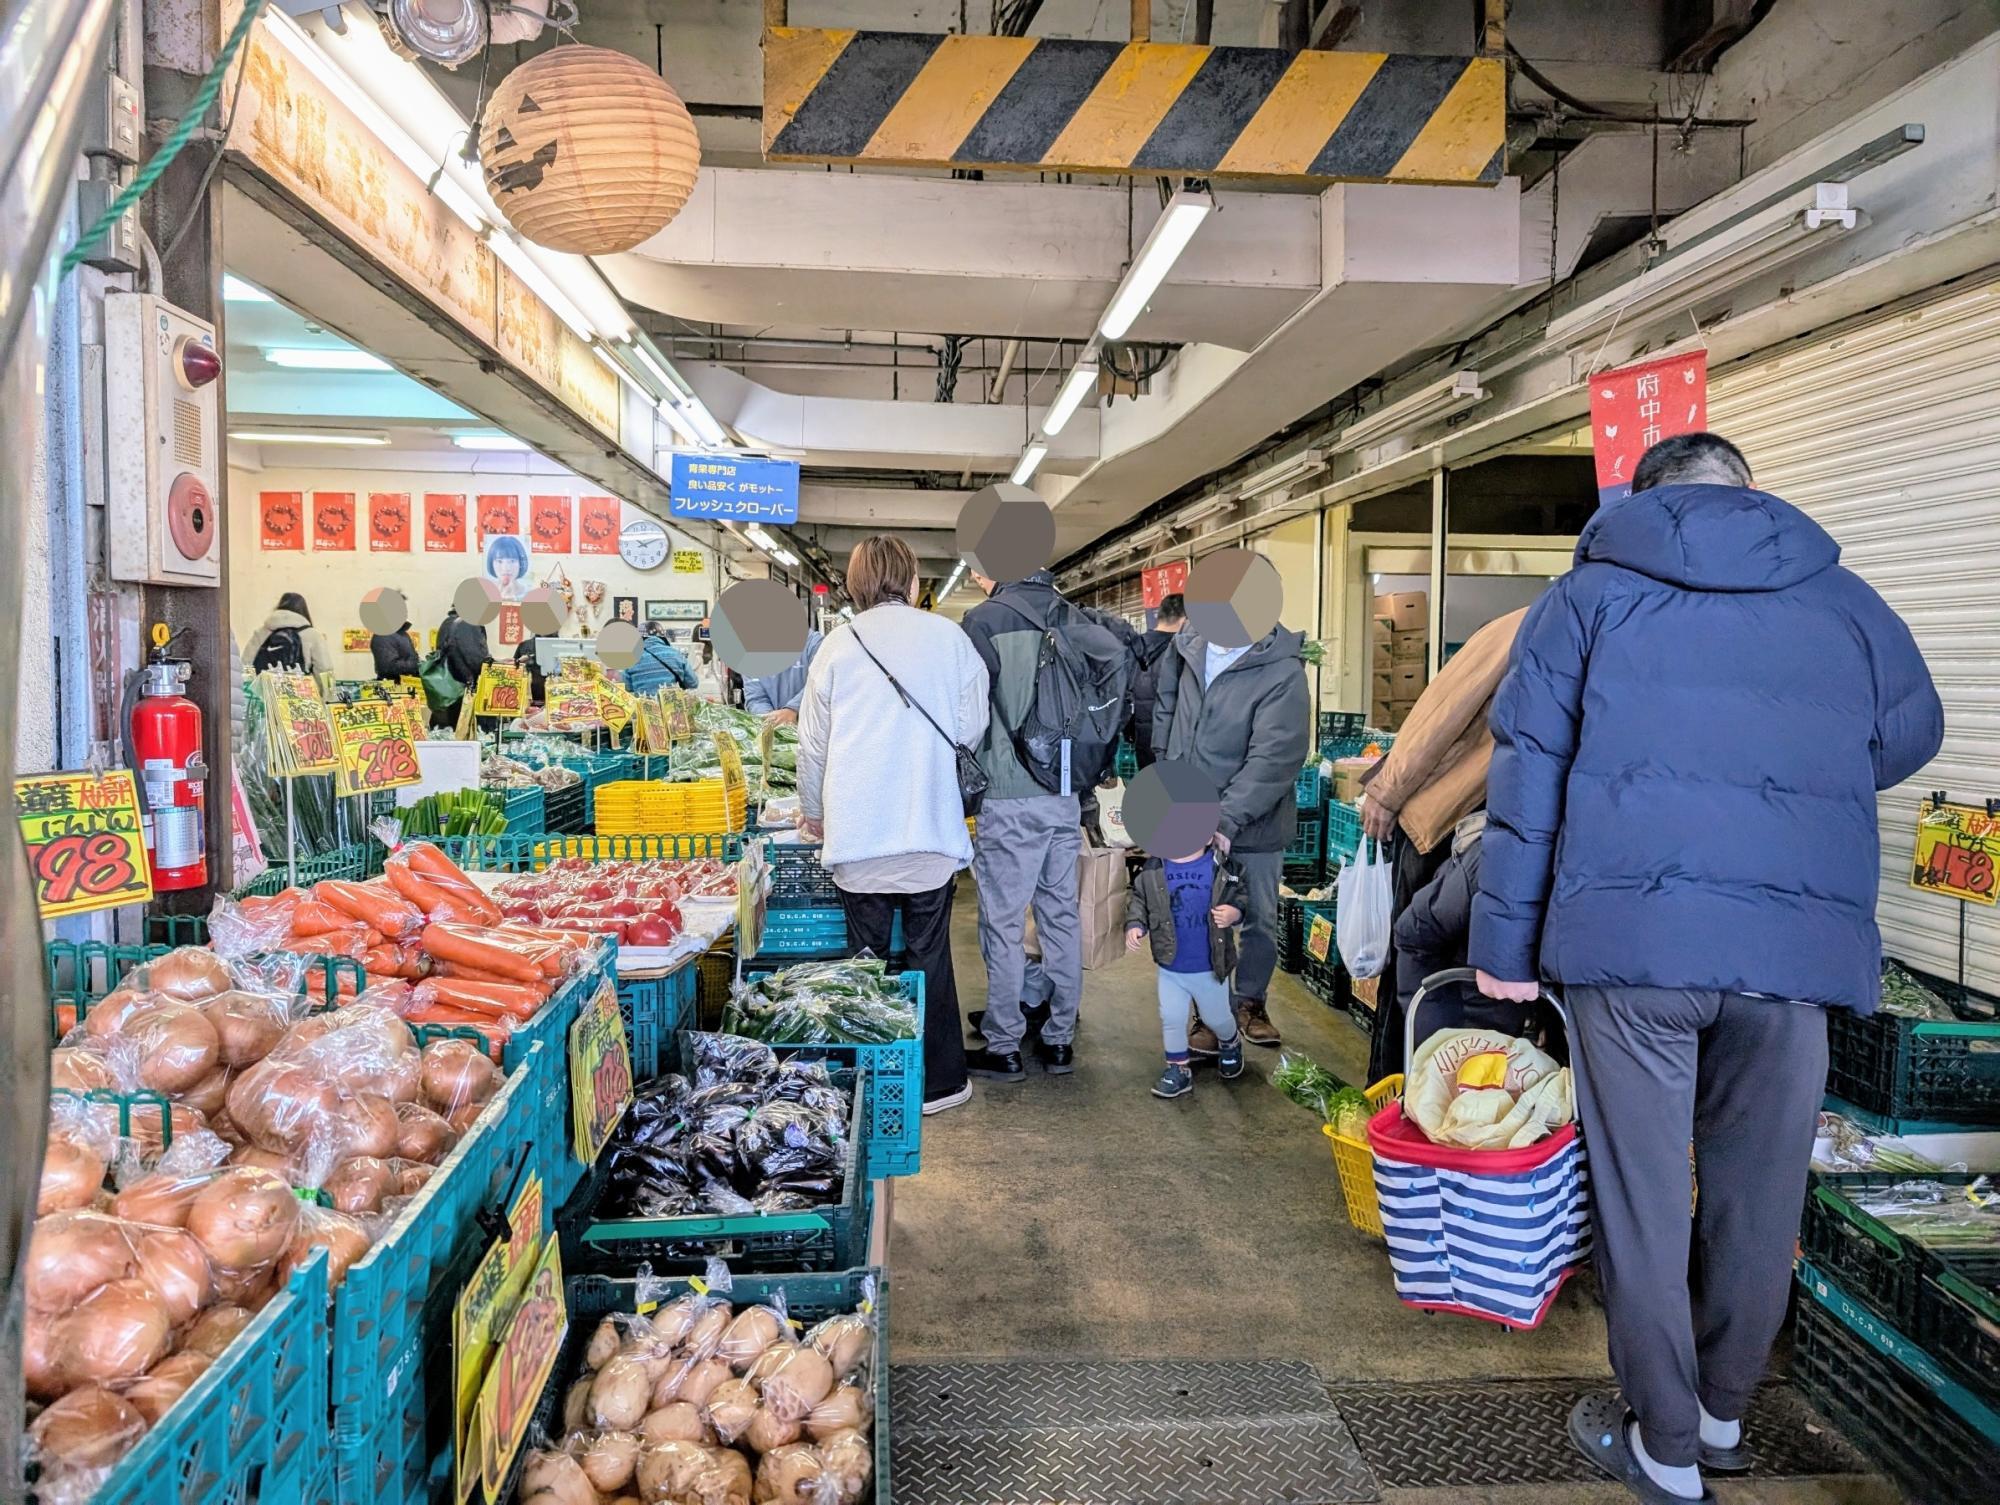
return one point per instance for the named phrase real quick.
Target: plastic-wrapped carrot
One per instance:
(479, 948)
(516, 1001)
(317, 917)
(439, 870)
(409, 883)
(379, 908)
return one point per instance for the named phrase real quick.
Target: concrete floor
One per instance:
(1080, 1217)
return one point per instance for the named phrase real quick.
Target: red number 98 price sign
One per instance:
(1956, 845)
(85, 845)
(375, 748)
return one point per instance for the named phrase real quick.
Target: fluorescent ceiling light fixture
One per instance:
(1031, 457)
(1169, 237)
(1147, 538)
(786, 557)
(1081, 380)
(659, 372)
(1710, 266)
(236, 290)
(1421, 406)
(1271, 477)
(678, 422)
(490, 441)
(696, 412)
(325, 358)
(348, 437)
(1203, 510)
(756, 534)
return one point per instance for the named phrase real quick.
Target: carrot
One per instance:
(482, 997)
(316, 917)
(258, 903)
(472, 974)
(405, 881)
(462, 943)
(439, 870)
(455, 911)
(379, 908)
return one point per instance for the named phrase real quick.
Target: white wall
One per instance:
(333, 583)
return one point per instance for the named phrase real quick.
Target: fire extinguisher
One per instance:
(165, 753)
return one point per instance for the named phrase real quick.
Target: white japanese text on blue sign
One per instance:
(716, 486)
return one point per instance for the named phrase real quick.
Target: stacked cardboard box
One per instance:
(1100, 887)
(1347, 774)
(1399, 651)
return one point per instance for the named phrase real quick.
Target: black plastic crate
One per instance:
(1870, 1261)
(563, 810)
(1915, 1069)
(798, 879)
(1958, 1319)
(1888, 1412)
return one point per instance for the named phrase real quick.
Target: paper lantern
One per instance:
(587, 150)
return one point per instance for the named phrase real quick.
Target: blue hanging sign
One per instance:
(733, 486)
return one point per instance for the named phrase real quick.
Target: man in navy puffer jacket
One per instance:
(1689, 741)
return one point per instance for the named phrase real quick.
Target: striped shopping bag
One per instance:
(1484, 1233)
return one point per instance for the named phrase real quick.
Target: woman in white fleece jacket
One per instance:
(878, 783)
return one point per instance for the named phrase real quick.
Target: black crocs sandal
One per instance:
(1598, 1426)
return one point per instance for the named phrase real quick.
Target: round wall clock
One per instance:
(643, 544)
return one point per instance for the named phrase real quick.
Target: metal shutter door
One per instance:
(1888, 434)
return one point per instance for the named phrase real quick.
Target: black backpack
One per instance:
(1083, 697)
(283, 649)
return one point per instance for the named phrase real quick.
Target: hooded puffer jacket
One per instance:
(1249, 731)
(1688, 744)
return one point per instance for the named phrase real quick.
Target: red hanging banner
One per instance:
(1162, 581)
(1635, 407)
(333, 522)
(548, 524)
(497, 515)
(444, 523)
(281, 520)
(597, 525)
(511, 630)
(388, 522)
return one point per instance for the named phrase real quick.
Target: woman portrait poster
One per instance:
(506, 565)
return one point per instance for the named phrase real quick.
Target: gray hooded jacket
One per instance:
(1249, 731)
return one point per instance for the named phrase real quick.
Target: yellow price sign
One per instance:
(680, 715)
(614, 707)
(522, 1362)
(600, 1074)
(569, 706)
(300, 736)
(416, 717)
(502, 690)
(734, 784)
(1319, 938)
(482, 1308)
(355, 639)
(1956, 849)
(653, 736)
(86, 848)
(688, 562)
(374, 747)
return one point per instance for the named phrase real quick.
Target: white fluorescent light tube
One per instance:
(617, 369)
(697, 413)
(1076, 386)
(1169, 237)
(786, 557)
(678, 423)
(306, 436)
(524, 266)
(1203, 510)
(1297, 468)
(756, 534)
(489, 441)
(1426, 403)
(236, 290)
(1031, 457)
(326, 359)
(659, 372)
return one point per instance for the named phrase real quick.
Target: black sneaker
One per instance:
(999, 1066)
(1057, 1060)
(975, 1020)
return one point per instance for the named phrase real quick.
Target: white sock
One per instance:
(1685, 1482)
(1720, 1434)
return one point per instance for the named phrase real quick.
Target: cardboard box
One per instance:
(1407, 683)
(1382, 627)
(1382, 654)
(1347, 774)
(1103, 931)
(1382, 685)
(1100, 875)
(1401, 709)
(1380, 707)
(1410, 648)
(1405, 609)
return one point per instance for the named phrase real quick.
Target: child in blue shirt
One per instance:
(1190, 907)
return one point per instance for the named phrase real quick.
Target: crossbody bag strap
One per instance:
(905, 694)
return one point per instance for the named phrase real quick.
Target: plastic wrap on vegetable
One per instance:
(782, 1139)
(1950, 1215)
(76, 1442)
(1306, 1082)
(820, 1003)
(163, 1190)
(74, 1162)
(730, 1058)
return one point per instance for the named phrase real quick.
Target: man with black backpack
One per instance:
(1061, 689)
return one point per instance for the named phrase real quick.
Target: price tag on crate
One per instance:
(653, 737)
(482, 1309)
(86, 847)
(600, 1073)
(300, 735)
(680, 717)
(374, 748)
(1319, 938)
(571, 706)
(735, 787)
(753, 887)
(522, 1363)
(1956, 848)
(502, 690)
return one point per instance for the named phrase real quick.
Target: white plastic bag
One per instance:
(1362, 916)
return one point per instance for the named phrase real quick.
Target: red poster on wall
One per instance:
(1635, 407)
(333, 522)
(1161, 581)
(388, 522)
(511, 631)
(548, 524)
(498, 514)
(281, 520)
(597, 525)
(444, 522)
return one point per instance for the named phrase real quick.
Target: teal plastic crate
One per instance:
(512, 853)
(1125, 762)
(1343, 831)
(392, 1382)
(81, 972)
(522, 808)
(655, 1008)
(809, 1298)
(254, 1425)
(562, 809)
(349, 862)
(831, 1237)
(895, 1087)
(1305, 856)
(816, 932)
(1309, 789)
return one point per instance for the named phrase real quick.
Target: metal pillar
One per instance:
(1440, 535)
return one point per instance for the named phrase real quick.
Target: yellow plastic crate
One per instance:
(1355, 1162)
(640, 807)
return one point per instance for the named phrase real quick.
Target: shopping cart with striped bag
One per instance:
(1491, 1234)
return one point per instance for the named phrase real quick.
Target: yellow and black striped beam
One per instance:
(912, 99)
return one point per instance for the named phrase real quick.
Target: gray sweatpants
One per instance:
(1693, 1303)
(1026, 855)
(1258, 956)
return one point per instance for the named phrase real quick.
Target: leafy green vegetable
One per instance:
(1903, 995)
(823, 1003)
(460, 812)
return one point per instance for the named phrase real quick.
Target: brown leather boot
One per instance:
(1256, 1022)
(1202, 1042)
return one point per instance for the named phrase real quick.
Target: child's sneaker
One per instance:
(1178, 1081)
(1229, 1058)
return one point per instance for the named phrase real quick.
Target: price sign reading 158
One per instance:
(1956, 847)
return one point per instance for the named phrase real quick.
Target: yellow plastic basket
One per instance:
(1355, 1162)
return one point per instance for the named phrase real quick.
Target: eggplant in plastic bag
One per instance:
(731, 1058)
(782, 1138)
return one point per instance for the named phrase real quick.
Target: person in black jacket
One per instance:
(1151, 650)
(394, 653)
(537, 681)
(463, 645)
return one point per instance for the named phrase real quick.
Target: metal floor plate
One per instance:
(1499, 1432)
(1141, 1432)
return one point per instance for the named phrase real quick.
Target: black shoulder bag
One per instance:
(972, 780)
